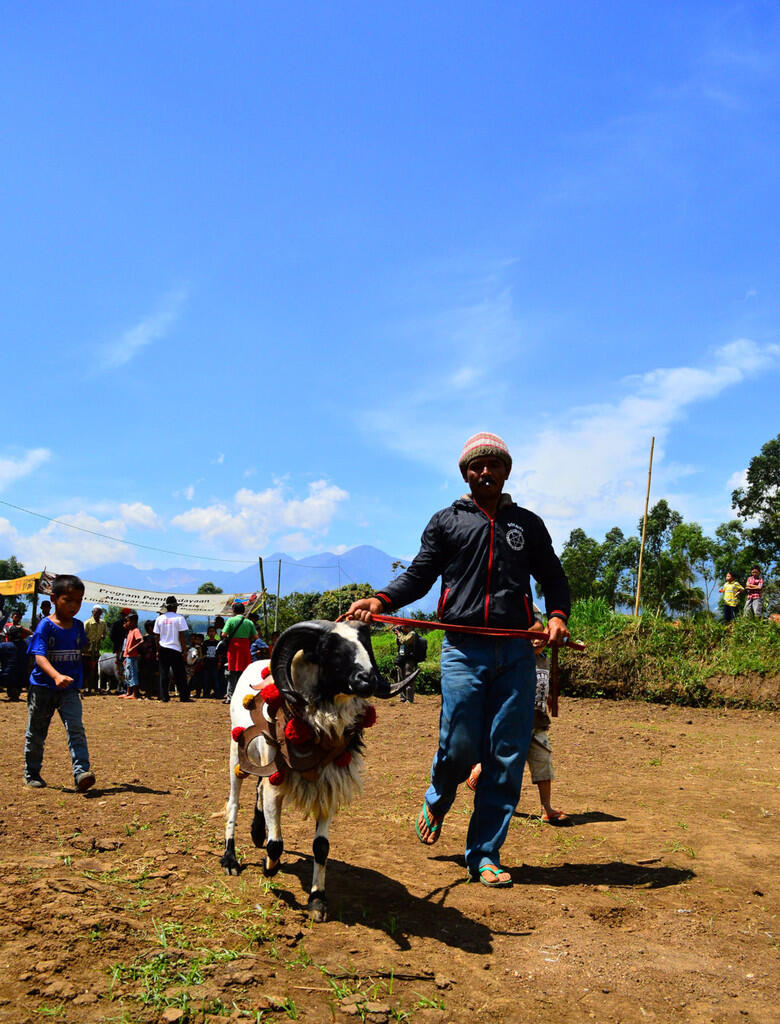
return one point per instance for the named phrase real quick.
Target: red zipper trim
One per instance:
(442, 602)
(490, 567)
(528, 610)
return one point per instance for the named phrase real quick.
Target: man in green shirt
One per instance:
(240, 631)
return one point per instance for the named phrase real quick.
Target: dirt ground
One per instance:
(659, 904)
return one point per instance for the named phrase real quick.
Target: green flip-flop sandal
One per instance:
(484, 876)
(435, 830)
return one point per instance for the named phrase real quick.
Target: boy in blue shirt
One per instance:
(55, 682)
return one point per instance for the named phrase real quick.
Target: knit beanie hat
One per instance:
(484, 444)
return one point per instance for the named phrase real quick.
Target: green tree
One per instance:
(333, 603)
(292, 608)
(689, 542)
(581, 559)
(734, 551)
(759, 501)
(209, 588)
(664, 573)
(619, 562)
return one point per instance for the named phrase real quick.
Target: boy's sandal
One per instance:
(557, 818)
(435, 830)
(489, 874)
(473, 778)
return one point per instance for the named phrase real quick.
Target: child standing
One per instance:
(132, 648)
(55, 682)
(210, 663)
(731, 590)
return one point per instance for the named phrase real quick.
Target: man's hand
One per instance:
(558, 631)
(364, 609)
(541, 643)
(61, 681)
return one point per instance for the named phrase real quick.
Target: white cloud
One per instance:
(248, 523)
(138, 514)
(738, 479)
(153, 328)
(59, 549)
(593, 467)
(13, 469)
(219, 459)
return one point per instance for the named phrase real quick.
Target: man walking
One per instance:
(485, 548)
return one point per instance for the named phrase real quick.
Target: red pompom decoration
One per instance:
(237, 732)
(271, 695)
(343, 759)
(297, 731)
(369, 717)
(276, 779)
(265, 672)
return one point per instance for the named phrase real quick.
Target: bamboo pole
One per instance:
(644, 530)
(265, 607)
(278, 588)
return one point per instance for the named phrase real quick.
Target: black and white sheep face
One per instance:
(347, 663)
(316, 661)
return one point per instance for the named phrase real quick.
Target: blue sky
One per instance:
(266, 267)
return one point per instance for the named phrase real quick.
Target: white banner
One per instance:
(153, 600)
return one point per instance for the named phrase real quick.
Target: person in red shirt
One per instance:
(754, 602)
(132, 648)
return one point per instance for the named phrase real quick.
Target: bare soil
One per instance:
(659, 904)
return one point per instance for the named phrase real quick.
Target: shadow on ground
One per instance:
(586, 818)
(362, 896)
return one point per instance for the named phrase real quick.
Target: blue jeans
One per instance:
(487, 715)
(41, 705)
(131, 672)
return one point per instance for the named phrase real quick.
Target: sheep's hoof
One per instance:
(271, 867)
(231, 865)
(318, 907)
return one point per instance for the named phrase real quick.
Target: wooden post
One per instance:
(34, 605)
(278, 588)
(644, 530)
(265, 607)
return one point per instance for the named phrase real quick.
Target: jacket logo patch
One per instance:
(515, 538)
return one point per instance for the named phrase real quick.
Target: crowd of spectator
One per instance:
(151, 660)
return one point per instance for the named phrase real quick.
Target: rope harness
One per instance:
(487, 631)
(307, 756)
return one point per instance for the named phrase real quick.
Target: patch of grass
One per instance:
(424, 1003)
(131, 827)
(301, 959)
(653, 659)
(679, 848)
(51, 1011)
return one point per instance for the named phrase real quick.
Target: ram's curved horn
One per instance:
(395, 690)
(304, 636)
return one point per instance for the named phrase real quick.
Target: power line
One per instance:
(164, 551)
(120, 540)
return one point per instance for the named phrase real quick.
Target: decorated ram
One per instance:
(297, 724)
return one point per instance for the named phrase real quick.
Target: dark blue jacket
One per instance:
(485, 567)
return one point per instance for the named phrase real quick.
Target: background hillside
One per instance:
(320, 572)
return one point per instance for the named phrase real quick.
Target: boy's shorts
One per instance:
(539, 759)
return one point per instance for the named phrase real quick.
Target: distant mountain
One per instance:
(324, 571)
